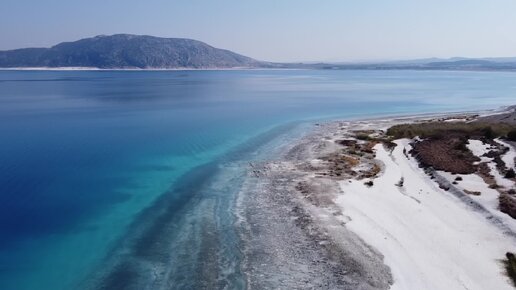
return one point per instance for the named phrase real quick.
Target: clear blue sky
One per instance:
(279, 30)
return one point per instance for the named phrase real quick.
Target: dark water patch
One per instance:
(155, 167)
(124, 276)
(163, 211)
(34, 206)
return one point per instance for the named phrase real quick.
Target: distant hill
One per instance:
(127, 51)
(457, 63)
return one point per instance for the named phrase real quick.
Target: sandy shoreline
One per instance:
(309, 222)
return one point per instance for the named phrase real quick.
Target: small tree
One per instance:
(512, 135)
(510, 173)
(401, 182)
(488, 132)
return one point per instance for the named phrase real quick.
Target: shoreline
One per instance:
(294, 213)
(145, 69)
(250, 69)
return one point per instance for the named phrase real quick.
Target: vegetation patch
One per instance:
(510, 173)
(448, 154)
(511, 135)
(446, 129)
(510, 266)
(372, 172)
(444, 144)
(363, 134)
(340, 164)
(507, 204)
(472, 192)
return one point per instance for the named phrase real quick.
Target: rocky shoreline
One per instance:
(295, 239)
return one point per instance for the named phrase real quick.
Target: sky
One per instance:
(279, 30)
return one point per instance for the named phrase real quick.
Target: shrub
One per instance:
(510, 266)
(510, 173)
(507, 204)
(511, 135)
(362, 136)
(444, 129)
(400, 182)
(488, 132)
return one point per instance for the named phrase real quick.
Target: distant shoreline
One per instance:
(132, 69)
(150, 69)
(307, 67)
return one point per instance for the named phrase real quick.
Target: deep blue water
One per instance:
(99, 167)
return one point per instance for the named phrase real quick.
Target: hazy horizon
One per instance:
(290, 31)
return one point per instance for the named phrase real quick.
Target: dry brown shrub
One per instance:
(472, 192)
(507, 204)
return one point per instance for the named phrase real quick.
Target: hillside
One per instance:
(127, 51)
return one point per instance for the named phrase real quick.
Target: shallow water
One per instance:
(106, 175)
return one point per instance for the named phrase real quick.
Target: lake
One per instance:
(109, 179)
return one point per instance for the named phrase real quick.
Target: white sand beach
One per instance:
(429, 238)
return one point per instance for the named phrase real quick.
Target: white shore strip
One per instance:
(430, 239)
(509, 157)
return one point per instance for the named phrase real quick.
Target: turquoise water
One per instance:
(111, 178)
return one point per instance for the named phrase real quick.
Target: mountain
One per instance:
(122, 51)
(127, 51)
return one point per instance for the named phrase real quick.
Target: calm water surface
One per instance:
(109, 177)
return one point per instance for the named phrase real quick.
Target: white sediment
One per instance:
(508, 158)
(478, 148)
(456, 120)
(488, 197)
(430, 238)
(500, 180)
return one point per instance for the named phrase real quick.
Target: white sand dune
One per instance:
(430, 239)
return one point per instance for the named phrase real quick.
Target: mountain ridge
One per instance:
(127, 51)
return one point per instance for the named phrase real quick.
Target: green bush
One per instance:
(511, 135)
(510, 266)
(362, 136)
(444, 129)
